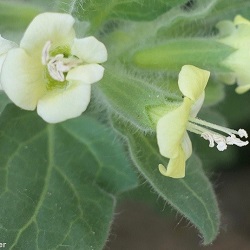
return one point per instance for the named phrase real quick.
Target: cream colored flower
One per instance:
(52, 69)
(172, 137)
(237, 35)
(5, 46)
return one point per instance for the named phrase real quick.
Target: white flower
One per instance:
(52, 69)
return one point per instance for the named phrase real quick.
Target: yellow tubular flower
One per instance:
(172, 137)
(52, 69)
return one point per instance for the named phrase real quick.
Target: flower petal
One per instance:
(187, 146)
(240, 19)
(22, 79)
(176, 166)
(242, 89)
(5, 46)
(88, 73)
(225, 28)
(54, 27)
(192, 81)
(238, 62)
(60, 105)
(228, 78)
(239, 37)
(90, 50)
(2, 58)
(171, 128)
(197, 105)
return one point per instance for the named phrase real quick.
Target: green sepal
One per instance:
(157, 112)
(171, 55)
(129, 96)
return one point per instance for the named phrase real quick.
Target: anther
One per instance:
(233, 140)
(45, 52)
(221, 142)
(209, 137)
(242, 133)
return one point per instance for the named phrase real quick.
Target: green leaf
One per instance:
(99, 11)
(4, 100)
(125, 38)
(192, 196)
(144, 193)
(58, 183)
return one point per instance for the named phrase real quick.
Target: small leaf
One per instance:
(58, 183)
(192, 196)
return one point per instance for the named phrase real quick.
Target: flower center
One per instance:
(58, 65)
(207, 131)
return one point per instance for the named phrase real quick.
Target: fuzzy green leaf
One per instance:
(58, 183)
(192, 196)
(99, 11)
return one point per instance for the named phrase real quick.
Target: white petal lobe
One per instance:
(88, 73)
(22, 79)
(60, 105)
(54, 27)
(90, 50)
